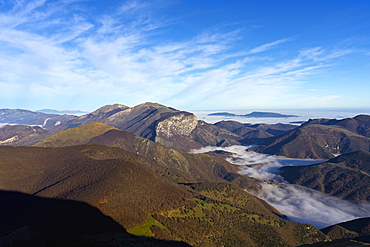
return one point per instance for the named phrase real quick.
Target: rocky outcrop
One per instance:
(179, 124)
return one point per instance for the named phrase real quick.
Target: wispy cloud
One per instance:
(60, 49)
(267, 46)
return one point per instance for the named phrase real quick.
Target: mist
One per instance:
(298, 203)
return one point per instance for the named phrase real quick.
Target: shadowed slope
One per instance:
(358, 229)
(124, 182)
(34, 221)
(346, 176)
(347, 234)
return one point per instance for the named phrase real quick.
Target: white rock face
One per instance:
(181, 124)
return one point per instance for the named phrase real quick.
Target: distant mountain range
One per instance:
(253, 115)
(26, 117)
(68, 112)
(180, 130)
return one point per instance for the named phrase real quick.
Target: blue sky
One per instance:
(191, 55)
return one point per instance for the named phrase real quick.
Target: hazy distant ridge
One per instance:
(254, 114)
(52, 111)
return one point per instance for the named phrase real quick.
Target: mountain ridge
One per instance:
(255, 114)
(346, 176)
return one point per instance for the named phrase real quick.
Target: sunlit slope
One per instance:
(121, 185)
(346, 176)
(75, 136)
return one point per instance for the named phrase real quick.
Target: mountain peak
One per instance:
(155, 105)
(109, 108)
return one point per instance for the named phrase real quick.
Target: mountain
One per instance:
(26, 117)
(254, 114)
(347, 234)
(211, 135)
(359, 124)
(126, 186)
(358, 229)
(99, 115)
(317, 141)
(346, 176)
(21, 135)
(165, 125)
(255, 133)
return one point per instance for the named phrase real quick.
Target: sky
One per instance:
(187, 54)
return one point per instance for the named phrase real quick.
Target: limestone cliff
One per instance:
(179, 124)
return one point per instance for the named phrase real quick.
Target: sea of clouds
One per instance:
(302, 115)
(298, 203)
